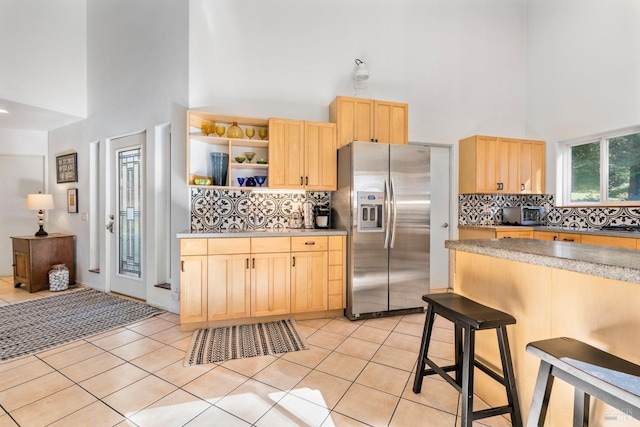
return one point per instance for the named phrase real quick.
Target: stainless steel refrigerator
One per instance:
(383, 202)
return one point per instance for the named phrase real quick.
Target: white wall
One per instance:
(137, 80)
(44, 42)
(583, 70)
(458, 63)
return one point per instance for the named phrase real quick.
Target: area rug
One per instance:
(32, 326)
(240, 341)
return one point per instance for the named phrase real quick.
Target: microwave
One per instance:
(523, 215)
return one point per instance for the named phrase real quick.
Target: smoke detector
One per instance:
(361, 80)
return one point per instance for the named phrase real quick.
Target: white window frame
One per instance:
(565, 153)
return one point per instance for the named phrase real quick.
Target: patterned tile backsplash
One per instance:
(216, 210)
(486, 209)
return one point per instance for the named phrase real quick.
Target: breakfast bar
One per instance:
(553, 289)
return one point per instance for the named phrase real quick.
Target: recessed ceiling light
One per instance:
(3, 111)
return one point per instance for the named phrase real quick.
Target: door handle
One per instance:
(387, 202)
(521, 187)
(294, 261)
(395, 209)
(109, 225)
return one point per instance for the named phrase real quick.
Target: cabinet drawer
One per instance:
(193, 246)
(335, 272)
(336, 243)
(261, 245)
(306, 244)
(569, 237)
(619, 242)
(230, 245)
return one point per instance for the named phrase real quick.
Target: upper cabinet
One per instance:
(302, 155)
(360, 119)
(490, 164)
(209, 133)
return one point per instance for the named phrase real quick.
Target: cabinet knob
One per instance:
(521, 187)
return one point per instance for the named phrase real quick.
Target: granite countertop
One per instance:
(554, 229)
(610, 262)
(281, 232)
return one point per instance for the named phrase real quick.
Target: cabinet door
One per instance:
(286, 153)
(309, 281)
(270, 284)
(320, 156)
(354, 118)
(193, 288)
(516, 234)
(532, 167)
(229, 286)
(618, 242)
(391, 122)
(486, 164)
(545, 235)
(508, 163)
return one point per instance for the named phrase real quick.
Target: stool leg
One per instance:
(457, 340)
(468, 357)
(540, 401)
(581, 402)
(424, 349)
(509, 377)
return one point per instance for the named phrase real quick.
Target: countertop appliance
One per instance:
(321, 217)
(383, 202)
(522, 215)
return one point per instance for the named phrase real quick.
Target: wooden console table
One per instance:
(34, 256)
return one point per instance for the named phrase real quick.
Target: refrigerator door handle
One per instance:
(393, 200)
(387, 205)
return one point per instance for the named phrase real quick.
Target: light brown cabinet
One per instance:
(199, 147)
(309, 274)
(494, 233)
(371, 120)
(222, 279)
(270, 276)
(34, 256)
(618, 242)
(302, 155)
(490, 164)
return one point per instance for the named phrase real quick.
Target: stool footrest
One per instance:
(491, 412)
(484, 368)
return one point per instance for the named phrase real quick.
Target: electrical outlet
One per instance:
(84, 216)
(487, 209)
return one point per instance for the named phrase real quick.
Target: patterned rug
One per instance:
(32, 326)
(237, 342)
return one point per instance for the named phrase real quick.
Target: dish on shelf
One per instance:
(260, 179)
(262, 133)
(202, 181)
(262, 162)
(240, 159)
(249, 155)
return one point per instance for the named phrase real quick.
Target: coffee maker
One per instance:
(321, 217)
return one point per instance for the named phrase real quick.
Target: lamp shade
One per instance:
(39, 202)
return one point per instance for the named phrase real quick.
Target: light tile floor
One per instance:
(355, 374)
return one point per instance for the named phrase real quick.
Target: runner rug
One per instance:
(240, 341)
(31, 326)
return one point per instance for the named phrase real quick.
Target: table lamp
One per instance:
(40, 202)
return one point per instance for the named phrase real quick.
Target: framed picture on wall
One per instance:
(72, 200)
(67, 168)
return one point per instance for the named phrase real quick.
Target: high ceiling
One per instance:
(28, 117)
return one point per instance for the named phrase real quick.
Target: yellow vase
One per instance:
(234, 131)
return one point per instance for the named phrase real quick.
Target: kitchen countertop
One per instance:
(591, 231)
(283, 232)
(612, 263)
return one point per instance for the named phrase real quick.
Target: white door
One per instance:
(440, 216)
(125, 222)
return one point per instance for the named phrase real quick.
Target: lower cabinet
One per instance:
(237, 278)
(270, 284)
(309, 274)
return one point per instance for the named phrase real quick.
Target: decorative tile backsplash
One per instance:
(486, 209)
(215, 210)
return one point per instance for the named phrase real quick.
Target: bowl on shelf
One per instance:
(262, 162)
(202, 181)
(240, 159)
(260, 179)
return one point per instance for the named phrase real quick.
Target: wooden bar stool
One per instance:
(591, 371)
(468, 316)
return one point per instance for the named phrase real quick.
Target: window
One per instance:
(604, 169)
